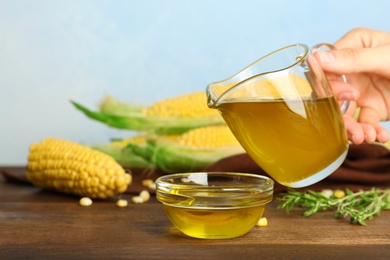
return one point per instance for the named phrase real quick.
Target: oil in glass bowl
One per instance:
(216, 205)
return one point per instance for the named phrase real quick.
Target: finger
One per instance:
(354, 130)
(369, 133)
(359, 133)
(382, 134)
(352, 110)
(369, 116)
(351, 61)
(372, 130)
(363, 38)
(343, 90)
(374, 133)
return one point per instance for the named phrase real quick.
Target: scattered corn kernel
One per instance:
(147, 182)
(85, 201)
(338, 194)
(327, 193)
(152, 186)
(145, 195)
(263, 222)
(185, 180)
(137, 200)
(121, 203)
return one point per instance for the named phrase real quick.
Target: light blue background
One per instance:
(54, 51)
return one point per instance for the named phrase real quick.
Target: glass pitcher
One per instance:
(282, 110)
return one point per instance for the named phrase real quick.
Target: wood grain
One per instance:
(38, 224)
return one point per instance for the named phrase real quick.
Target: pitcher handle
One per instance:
(344, 106)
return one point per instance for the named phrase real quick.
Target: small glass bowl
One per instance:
(214, 205)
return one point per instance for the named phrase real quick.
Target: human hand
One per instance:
(363, 55)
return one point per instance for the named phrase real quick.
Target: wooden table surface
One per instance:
(36, 224)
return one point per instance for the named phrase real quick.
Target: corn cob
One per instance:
(68, 167)
(171, 116)
(190, 105)
(208, 138)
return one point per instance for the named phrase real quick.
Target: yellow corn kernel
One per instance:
(121, 203)
(145, 195)
(189, 105)
(85, 202)
(137, 200)
(138, 139)
(120, 181)
(72, 168)
(185, 180)
(338, 194)
(152, 186)
(263, 222)
(208, 137)
(327, 193)
(147, 182)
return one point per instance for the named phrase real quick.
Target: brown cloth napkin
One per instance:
(366, 166)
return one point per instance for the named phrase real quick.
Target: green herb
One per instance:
(359, 206)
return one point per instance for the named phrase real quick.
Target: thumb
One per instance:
(356, 60)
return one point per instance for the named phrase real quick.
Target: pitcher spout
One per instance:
(251, 81)
(210, 100)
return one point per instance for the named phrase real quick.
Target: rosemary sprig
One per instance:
(359, 206)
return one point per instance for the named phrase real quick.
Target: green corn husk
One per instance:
(122, 115)
(190, 151)
(118, 149)
(113, 106)
(173, 158)
(170, 156)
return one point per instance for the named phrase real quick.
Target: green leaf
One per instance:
(125, 157)
(113, 106)
(135, 120)
(172, 157)
(359, 206)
